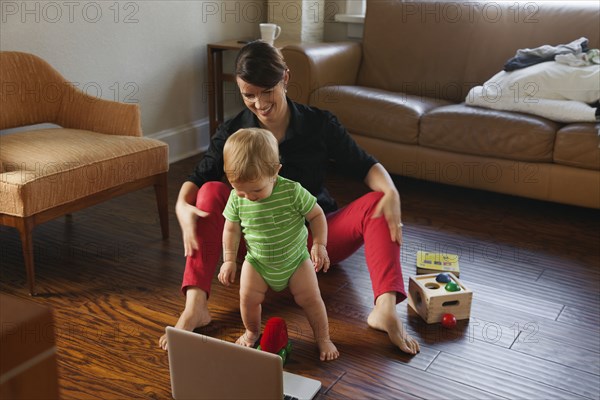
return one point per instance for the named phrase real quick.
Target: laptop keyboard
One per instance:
(288, 397)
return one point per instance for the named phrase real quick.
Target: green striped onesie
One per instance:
(274, 230)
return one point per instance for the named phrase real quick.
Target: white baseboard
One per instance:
(185, 140)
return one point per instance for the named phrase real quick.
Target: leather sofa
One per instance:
(401, 94)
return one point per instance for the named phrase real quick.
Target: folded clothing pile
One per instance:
(561, 83)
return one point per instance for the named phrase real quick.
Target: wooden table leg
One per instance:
(212, 119)
(219, 87)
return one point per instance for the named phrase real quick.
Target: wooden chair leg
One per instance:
(25, 227)
(162, 201)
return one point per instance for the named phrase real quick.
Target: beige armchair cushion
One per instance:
(50, 167)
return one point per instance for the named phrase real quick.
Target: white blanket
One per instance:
(552, 90)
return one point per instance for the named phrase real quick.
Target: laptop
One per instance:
(203, 367)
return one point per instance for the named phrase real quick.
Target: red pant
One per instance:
(348, 229)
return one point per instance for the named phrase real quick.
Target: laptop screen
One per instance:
(203, 367)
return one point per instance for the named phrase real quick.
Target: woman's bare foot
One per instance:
(384, 318)
(248, 339)
(194, 315)
(327, 350)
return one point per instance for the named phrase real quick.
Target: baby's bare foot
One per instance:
(327, 350)
(248, 339)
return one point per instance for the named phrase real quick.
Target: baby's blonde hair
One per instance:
(250, 154)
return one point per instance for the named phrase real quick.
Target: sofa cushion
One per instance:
(474, 130)
(376, 113)
(578, 145)
(81, 163)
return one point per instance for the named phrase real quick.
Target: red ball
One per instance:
(448, 320)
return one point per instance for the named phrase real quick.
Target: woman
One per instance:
(308, 139)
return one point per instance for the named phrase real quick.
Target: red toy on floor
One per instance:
(275, 338)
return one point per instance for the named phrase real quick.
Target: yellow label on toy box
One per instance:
(430, 263)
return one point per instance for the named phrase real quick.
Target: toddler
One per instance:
(271, 211)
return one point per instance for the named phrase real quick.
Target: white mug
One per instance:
(269, 32)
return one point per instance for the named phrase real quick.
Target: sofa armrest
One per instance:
(79, 110)
(320, 64)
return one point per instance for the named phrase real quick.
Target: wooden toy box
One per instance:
(431, 300)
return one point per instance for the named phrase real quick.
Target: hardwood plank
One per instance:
(499, 318)
(122, 353)
(577, 336)
(561, 353)
(400, 381)
(587, 283)
(537, 369)
(500, 294)
(500, 383)
(580, 317)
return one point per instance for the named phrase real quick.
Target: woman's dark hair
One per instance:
(260, 64)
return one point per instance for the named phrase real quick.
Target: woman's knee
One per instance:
(372, 198)
(212, 196)
(363, 207)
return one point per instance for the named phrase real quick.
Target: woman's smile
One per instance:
(264, 111)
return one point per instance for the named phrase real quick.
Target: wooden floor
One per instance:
(534, 268)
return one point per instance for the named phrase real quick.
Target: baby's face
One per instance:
(255, 190)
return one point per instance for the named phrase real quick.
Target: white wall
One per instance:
(152, 52)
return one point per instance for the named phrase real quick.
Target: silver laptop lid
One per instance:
(203, 367)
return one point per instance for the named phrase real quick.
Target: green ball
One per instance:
(452, 287)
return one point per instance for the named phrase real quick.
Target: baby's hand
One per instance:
(227, 273)
(319, 257)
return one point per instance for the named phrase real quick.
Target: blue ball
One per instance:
(443, 278)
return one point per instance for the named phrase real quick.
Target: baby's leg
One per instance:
(252, 294)
(305, 289)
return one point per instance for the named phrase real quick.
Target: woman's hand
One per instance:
(188, 215)
(379, 180)
(389, 207)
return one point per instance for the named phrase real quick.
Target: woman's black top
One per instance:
(313, 140)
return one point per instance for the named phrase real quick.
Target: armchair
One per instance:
(95, 154)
